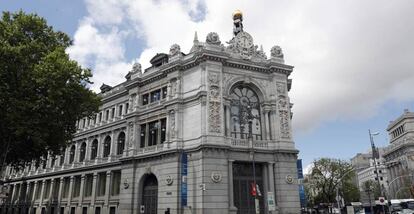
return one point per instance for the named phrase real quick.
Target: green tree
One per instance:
(328, 175)
(42, 91)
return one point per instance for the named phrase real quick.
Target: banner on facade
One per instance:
(271, 201)
(184, 173)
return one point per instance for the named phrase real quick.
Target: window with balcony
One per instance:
(121, 143)
(94, 149)
(82, 152)
(153, 133)
(107, 147)
(72, 154)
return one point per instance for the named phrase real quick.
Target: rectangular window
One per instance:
(84, 210)
(112, 210)
(72, 210)
(113, 113)
(83, 123)
(145, 99)
(155, 95)
(31, 191)
(88, 185)
(142, 137)
(163, 129)
(126, 108)
(100, 117)
(76, 186)
(153, 133)
(39, 189)
(116, 182)
(107, 115)
(66, 183)
(56, 185)
(101, 184)
(47, 189)
(97, 210)
(62, 210)
(164, 92)
(120, 110)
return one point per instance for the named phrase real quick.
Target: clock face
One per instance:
(244, 40)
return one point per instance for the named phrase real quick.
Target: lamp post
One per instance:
(374, 156)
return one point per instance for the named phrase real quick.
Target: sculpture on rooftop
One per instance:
(175, 50)
(213, 38)
(136, 68)
(237, 22)
(276, 52)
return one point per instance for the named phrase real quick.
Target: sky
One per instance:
(354, 60)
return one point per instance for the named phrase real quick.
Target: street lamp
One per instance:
(375, 154)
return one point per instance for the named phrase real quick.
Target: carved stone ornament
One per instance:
(216, 177)
(172, 123)
(242, 45)
(280, 88)
(131, 134)
(284, 124)
(126, 183)
(289, 179)
(276, 52)
(213, 38)
(169, 180)
(136, 68)
(175, 50)
(214, 105)
(282, 103)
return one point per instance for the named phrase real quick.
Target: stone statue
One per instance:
(237, 22)
(276, 52)
(136, 67)
(175, 50)
(213, 38)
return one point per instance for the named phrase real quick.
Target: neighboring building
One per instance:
(399, 155)
(365, 169)
(181, 136)
(361, 161)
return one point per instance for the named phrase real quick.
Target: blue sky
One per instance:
(353, 60)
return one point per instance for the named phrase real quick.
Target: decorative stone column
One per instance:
(35, 189)
(81, 193)
(113, 145)
(52, 187)
(232, 208)
(93, 196)
(42, 191)
(267, 125)
(70, 190)
(270, 166)
(59, 199)
(107, 192)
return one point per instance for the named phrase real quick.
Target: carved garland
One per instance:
(214, 116)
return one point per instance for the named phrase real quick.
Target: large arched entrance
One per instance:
(150, 194)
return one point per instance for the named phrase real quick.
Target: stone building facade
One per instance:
(399, 155)
(192, 133)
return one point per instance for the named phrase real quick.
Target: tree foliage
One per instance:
(328, 175)
(42, 91)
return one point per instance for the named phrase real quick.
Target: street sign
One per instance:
(381, 200)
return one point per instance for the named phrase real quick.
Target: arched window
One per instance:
(245, 113)
(94, 149)
(107, 147)
(82, 152)
(72, 154)
(121, 143)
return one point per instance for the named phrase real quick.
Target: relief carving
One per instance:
(214, 115)
(280, 88)
(284, 124)
(172, 124)
(131, 134)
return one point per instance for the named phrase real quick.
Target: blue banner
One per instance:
(184, 172)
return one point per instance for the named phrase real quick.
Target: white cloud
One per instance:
(350, 57)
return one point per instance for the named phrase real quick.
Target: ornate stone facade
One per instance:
(180, 137)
